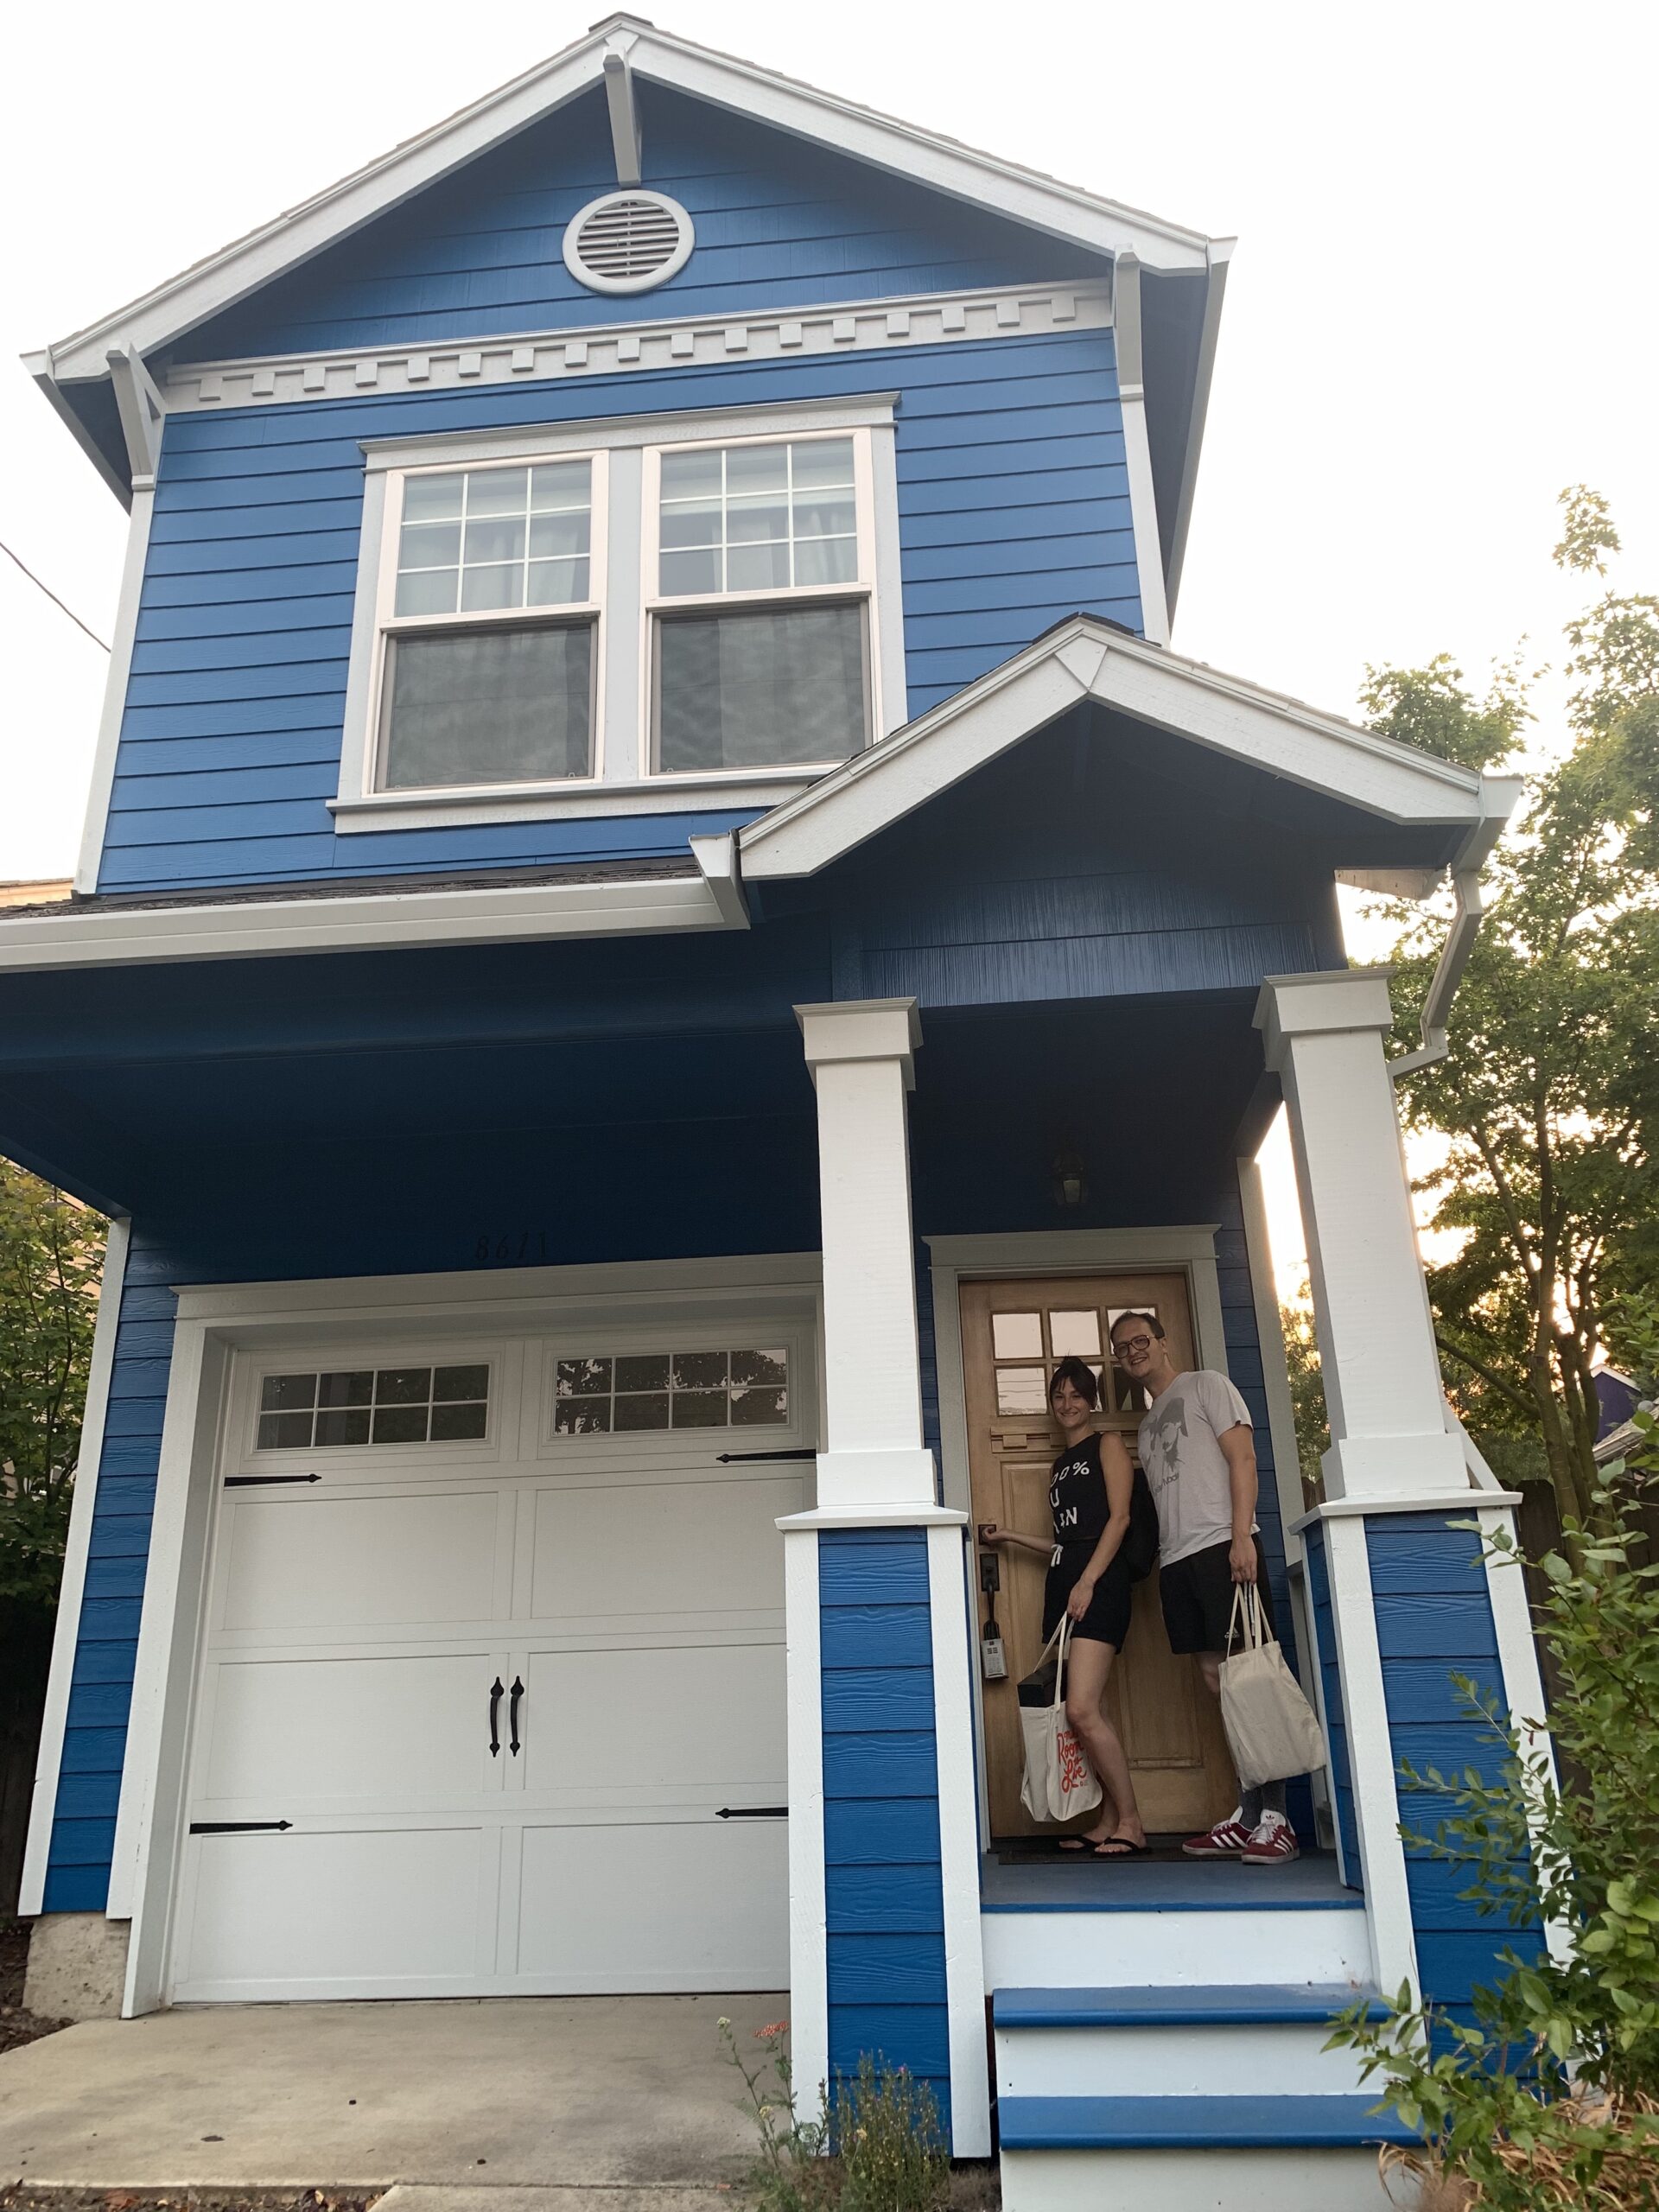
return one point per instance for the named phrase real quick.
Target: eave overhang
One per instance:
(1083, 660)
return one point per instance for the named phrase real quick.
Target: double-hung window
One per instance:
(488, 663)
(608, 618)
(759, 604)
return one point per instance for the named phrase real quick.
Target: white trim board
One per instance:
(808, 1961)
(101, 787)
(66, 1630)
(161, 316)
(1088, 659)
(897, 323)
(957, 1771)
(108, 936)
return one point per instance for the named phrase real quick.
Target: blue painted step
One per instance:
(1247, 2005)
(1195, 2123)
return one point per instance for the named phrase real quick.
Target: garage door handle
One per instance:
(496, 1695)
(513, 1696)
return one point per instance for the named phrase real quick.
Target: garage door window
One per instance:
(630, 1391)
(373, 1405)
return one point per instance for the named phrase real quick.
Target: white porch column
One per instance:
(861, 1057)
(1323, 1034)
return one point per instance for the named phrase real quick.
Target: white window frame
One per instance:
(625, 453)
(659, 606)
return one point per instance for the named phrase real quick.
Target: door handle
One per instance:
(496, 1695)
(513, 1696)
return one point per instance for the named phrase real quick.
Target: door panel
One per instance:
(627, 1549)
(699, 1904)
(307, 1559)
(650, 1727)
(1013, 1333)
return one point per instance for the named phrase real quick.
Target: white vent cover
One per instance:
(628, 241)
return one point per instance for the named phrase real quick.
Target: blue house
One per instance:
(662, 930)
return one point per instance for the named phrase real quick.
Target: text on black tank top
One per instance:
(1077, 1493)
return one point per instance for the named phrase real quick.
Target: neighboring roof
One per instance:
(74, 372)
(1086, 659)
(39, 891)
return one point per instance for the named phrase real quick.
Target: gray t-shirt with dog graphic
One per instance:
(1185, 1466)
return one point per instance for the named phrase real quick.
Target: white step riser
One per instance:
(1260, 2059)
(1146, 1950)
(1192, 2181)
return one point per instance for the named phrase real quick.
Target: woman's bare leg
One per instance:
(1088, 1666)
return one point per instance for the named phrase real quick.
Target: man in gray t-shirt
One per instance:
(1197, 1450)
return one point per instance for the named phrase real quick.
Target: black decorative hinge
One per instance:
(250, 1481)
(800, 1452)
(752, 1813)
(237, 1827)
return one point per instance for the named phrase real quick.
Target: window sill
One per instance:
(760, 788)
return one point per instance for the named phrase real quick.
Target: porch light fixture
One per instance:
(1070, 1189)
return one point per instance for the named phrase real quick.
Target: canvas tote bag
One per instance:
(1059, 1781)
(1271, 1729)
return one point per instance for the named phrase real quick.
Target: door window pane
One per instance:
(1021, 1391)
(1075, 1334)
(761, 688)
(489, 706)
(635, 1391)
(1017, 1335)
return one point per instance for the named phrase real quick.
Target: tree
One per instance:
(1550, 1095)
(51, 1250)
(1306, 1389)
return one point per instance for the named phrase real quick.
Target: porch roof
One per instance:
(1449, 816)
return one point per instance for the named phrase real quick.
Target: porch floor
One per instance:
(1047, 1881)
(609, 2092)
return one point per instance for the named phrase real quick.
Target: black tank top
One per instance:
(1077, 1493)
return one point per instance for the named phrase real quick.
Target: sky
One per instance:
(1440, 311)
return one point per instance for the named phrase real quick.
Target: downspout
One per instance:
(1499, 795)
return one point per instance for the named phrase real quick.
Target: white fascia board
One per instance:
(1221, 255)
(115, 937)
(1084, 660)
(161, 317)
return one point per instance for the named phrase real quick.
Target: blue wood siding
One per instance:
(778, 223)
(1013, 512)
(1335, 1716)
(1434, 1621)
(883, 1894)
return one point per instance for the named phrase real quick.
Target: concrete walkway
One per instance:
(607, 2093)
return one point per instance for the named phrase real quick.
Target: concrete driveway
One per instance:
(582, 2092)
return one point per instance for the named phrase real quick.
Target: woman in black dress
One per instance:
(1088, 1491)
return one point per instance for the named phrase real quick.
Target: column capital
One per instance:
(1319, 1004)
(862, 1029)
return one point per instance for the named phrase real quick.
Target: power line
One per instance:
(52, 596)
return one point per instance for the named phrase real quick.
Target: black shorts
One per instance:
(1198, 1597)
(1107, 1620)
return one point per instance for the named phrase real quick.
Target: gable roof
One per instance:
(74, 372)
(1084, 660)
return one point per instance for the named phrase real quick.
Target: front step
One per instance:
(1082, 1947)
(1193, 2154)
(1180, 2042)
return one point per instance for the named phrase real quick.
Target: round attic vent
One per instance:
(628, 241)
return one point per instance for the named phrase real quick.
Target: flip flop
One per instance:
(1119, 1846)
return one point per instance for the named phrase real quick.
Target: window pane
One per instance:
(288, 1393)
(685, 573)
(699, 1370)
(461, 1383)
(582, 1417)
(497, 491)
(558, 583)
(688, 475)
(826, 560)
(1077, 1332)
(427, 591)
(757, 568)
(648, 1372)
(554, 538)
(403, 1386)
(560, 484)
(349, 1426)
(353, 1389)
(759, 1368)
(284, 1431)
(428, 545)
(583, 1378)
(699, 1410)
(695, 522)
(822, 460)
(484, 588)
(824, 514)
(744, 690)
(756, 468)
(748, 522)
(758, 1408)
(496, 539)
(457, 1424)
(490, 707)
(1021, 1391)
(426, 498)
(400, 1424)
(645, 1411)
(1017, 1335)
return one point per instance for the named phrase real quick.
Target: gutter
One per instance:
(1500, 796)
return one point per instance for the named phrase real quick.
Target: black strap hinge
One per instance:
(752, 1813)
(237, 1827)
(249, 1482)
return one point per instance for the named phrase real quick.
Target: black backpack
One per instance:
(1141, 1545)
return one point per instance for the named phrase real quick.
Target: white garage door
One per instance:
(492, 1692)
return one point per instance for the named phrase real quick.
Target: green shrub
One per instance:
(882, 2150)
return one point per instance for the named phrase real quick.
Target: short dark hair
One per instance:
(1082, 1379)
(1150, 1320)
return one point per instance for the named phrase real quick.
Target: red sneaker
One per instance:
(1272, 1844)
(1226, 1839)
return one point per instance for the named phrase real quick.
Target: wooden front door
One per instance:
(1012, 1334)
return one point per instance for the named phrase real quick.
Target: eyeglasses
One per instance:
(1126, 1345)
